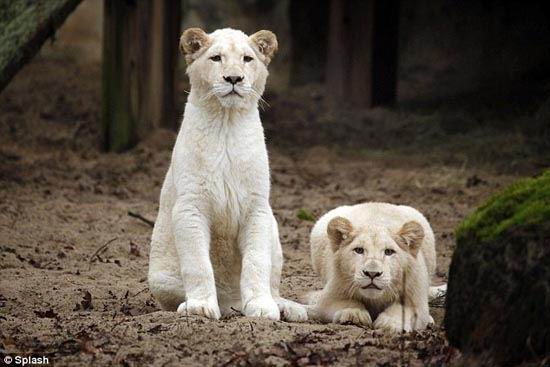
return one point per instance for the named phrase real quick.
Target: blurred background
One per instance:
(434, 104)
(446, 68)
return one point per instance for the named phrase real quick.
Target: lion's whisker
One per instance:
(260, 97)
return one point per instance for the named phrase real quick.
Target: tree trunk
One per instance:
(309, 31)
(25, 26)
(140, 48)
(362, 53)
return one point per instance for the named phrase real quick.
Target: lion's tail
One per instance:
(438, 291)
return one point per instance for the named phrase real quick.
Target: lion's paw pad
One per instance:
(293, 311)
(352, 315)
(264, 307)
(391, 323)
(196, 307)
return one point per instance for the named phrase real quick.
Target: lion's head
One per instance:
(372, 260)
(228, 66)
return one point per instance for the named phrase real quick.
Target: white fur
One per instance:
(345, 298)
(215, 245)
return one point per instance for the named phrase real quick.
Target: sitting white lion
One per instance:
(376, 260)
(215, 245)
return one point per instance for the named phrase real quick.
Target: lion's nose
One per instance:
(233, 79)
(372, 274)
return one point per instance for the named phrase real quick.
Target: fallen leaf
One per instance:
(47, 314)
(134, 249)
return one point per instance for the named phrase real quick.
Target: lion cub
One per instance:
(376, 260)
(215, 246)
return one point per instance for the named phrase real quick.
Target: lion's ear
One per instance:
(266, 43)
(192, 41)
(339, 231)
(410, 237)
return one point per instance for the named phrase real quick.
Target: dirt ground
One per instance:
(73, 263)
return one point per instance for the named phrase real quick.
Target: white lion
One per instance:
(215, 245)
(376, 260)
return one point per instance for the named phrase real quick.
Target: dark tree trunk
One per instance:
(140, 48)
(25, 26)
(309, 30)
(385, 43)
(362, 53)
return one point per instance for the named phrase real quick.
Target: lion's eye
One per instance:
(216, 58)
(359, 250)
(389, 252)
(248, 58)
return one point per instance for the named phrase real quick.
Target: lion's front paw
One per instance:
(394, 323)
(292, 311)
(391, 323)
(352, 315)
(207, 308)
(262, 307)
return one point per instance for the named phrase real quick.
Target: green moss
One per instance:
(501, 269)
(525, 203)
(25, 26)
(305, 215)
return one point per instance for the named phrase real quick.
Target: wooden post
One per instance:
(140, 48)
(119, 109)
(163, 56)
(362, 53)
(361, 70)
(385, 46)
(338, 53)
(309, 32)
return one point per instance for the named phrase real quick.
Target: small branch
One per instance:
(141, 291)
(99, 250)
(77, 129)
(439, 301)
(142, 218)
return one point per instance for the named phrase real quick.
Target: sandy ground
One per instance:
(74, 263)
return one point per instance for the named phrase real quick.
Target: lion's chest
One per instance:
(228, 195)
(230, 192)
(234, 174)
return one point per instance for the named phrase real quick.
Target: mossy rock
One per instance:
(25, 25)
(498, 300)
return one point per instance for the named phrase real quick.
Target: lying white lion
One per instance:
(376, 260)
(215, 245)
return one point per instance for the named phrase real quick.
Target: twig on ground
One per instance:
(77, 129)
(117, 324)
(439, 301)
(142, 218)
(99, 250)
(402, 336)
(141, 291)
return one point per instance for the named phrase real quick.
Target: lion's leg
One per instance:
(397, 318)
(192, 242)
(255, 246)
(290, 310)
(415, 313)
(330, 308)
(164, 277)
(276, 258)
